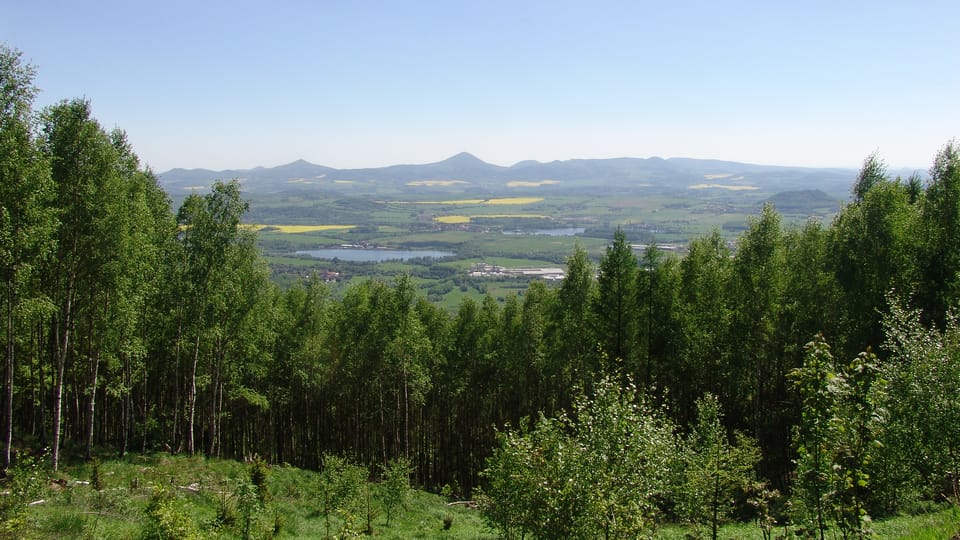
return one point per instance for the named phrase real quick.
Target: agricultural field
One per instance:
(536, 225)
(531, 214)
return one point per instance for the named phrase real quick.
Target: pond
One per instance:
(568, 231)
(374, 254)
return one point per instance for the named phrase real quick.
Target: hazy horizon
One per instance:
(505, 165)
(365, 84)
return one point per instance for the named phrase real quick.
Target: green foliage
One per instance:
(704, 321)
(921, 442)
(26, 482)
(132, 328)
(761, 500)
(73, 512)
(249, 506)
(859, 422)
(96, 478)
(715, 473)
(660, 326)
(395, 488)
(836, 439)
(599, 472)
(530, 483)
(166, 518)
(873, 249)
(259, 477)
(939, 237)
(341, 487)
(226, 510)
(28, 224)
(874, 170)
(814, 382)
(614, 311)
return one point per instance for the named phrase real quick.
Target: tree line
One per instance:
(133, 327)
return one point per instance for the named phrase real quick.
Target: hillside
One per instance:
(147, 496)
(806, 201)
(471, 172)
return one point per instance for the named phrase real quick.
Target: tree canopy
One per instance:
(821, 361)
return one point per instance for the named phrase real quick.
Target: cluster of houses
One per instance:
(485, 270)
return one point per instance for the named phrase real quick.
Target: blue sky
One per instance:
(357, 83)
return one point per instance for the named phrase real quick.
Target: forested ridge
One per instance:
(831, 349)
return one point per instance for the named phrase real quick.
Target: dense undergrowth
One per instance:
(163, 496)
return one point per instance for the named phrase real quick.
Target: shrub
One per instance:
(340, 493)
(167, 518)
(259, 476)
(597, 473)
(396, 485)
(26, 483)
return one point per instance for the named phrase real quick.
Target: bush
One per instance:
(340, 492)
(597, 473)
(259, 476)
(167, 519)
(26, 483)
(396, 485)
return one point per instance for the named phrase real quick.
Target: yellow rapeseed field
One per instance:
(516, 200)
(294, 229)
(452, 219)
(467, 219)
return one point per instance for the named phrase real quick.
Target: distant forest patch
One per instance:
(808, 201)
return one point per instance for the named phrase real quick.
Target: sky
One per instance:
(357, 83)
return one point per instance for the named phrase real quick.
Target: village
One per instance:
(485, 270)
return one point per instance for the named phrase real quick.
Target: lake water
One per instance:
(374, 255)
(568, 231)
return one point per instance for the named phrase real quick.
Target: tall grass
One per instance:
(202, 492)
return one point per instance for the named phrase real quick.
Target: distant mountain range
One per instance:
(465, 172)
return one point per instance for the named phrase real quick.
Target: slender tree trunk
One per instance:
(398, 423)
(406, 416)
(214, 388)
(125, 405)
(716, 494)
(57, 407)
(42, 386)
(143, 405)
(63, 345)
(175, 443)
(73, 427)
(92, 404)
(212, 415)
(341, 441)
(192, 396)
(34, 385)
(819, 498)
(383, 428)
(8, 382)
(219, 424)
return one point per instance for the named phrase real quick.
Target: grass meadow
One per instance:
(203, 493)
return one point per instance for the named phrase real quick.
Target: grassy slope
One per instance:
(200, 485)
(118, 511)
